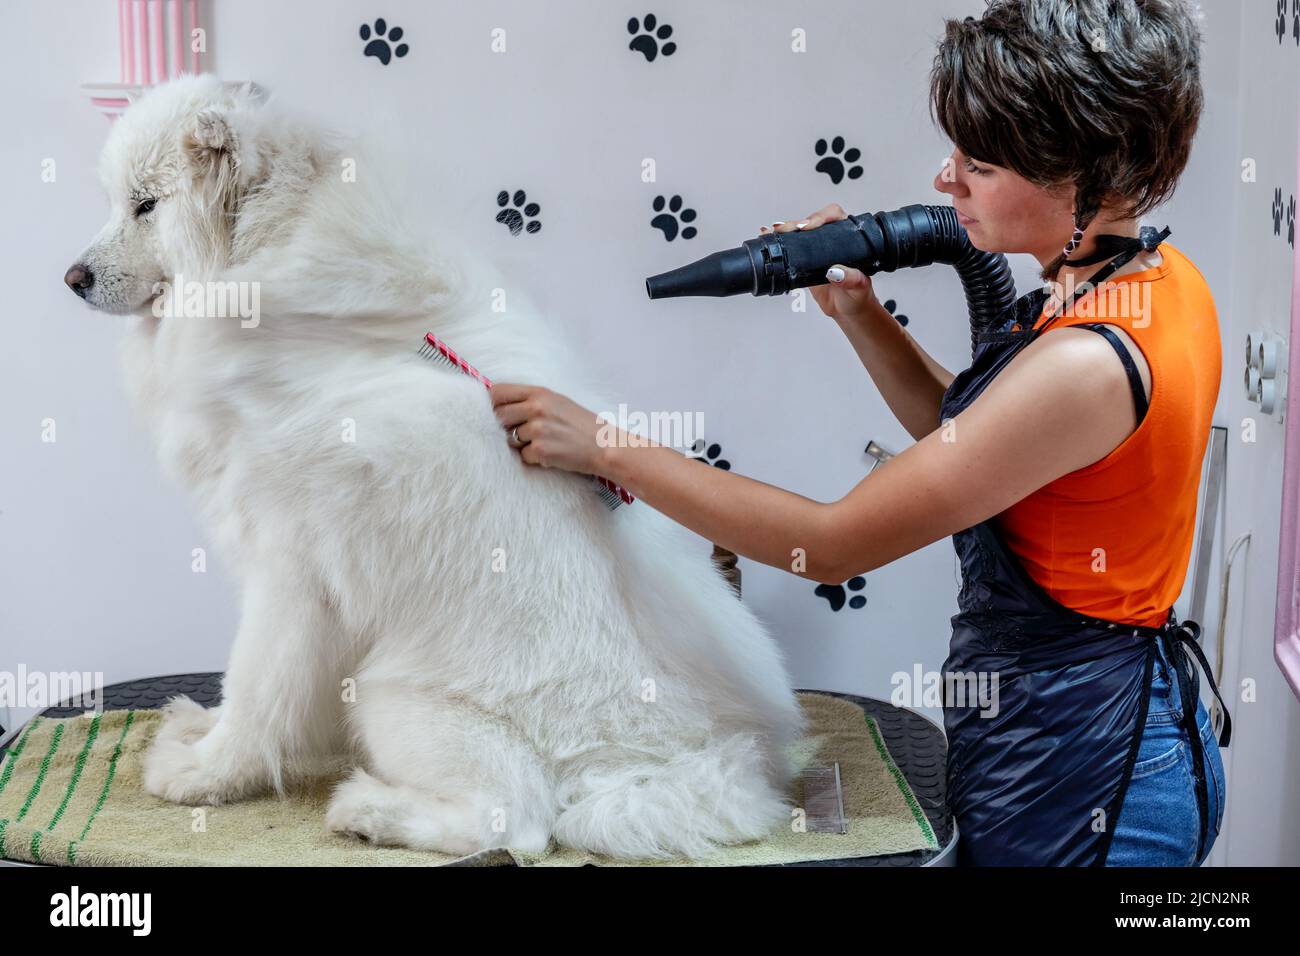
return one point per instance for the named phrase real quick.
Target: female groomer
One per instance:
(1064, 462)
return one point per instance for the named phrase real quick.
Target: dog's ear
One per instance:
(211, 142)
(208, 199)
(222, 151)
(254, 93)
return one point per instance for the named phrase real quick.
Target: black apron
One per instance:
(1039, 779)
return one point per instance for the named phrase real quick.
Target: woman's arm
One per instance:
(910, 380)
(760, 521)
(1060, 405)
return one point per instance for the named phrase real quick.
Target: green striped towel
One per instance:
(71, 794)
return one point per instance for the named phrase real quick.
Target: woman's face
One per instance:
(1007, 213)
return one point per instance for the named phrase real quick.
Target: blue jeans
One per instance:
(1159, 822)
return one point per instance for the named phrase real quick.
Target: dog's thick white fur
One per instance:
(506, 660)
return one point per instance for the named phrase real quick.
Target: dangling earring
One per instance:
(1074, 240)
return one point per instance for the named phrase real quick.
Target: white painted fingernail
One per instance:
(801, 225)
(779, 222)
(835, 274)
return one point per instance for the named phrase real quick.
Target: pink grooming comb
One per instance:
(436, 350)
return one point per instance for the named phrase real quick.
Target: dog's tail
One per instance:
(686, 805)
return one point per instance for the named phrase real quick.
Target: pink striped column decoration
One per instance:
(158, 40)
(176, 14)
(194, 25)
(142, 40)
(126, 13)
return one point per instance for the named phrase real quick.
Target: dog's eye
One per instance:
(144, 207)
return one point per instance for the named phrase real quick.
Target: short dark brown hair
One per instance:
(1104, 94)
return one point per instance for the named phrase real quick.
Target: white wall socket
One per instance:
(1266, 372)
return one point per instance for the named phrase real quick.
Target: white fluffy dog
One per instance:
(503, 658)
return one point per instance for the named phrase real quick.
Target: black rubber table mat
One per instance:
(916, 744)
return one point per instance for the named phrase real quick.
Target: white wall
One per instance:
(95, 548)
(1261, 826)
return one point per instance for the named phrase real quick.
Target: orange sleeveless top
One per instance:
(1113, 539)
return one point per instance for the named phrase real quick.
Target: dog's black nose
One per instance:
(79, 279)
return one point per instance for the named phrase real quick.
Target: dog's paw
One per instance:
(369, 809)
(361, 807)
(186, 721)
(175, 771)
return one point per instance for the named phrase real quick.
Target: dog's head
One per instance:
(175, 167)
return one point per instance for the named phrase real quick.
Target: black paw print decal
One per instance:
(651, 42)
(835, 164)
(1295, 22)
(890, 306)
(515, 215)
(1277, 211)
(836, 594)
(1280, 26)
(381, 47)
(667, 222)
(1290, 223)
(709, 455)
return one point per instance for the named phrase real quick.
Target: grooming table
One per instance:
(916, 744)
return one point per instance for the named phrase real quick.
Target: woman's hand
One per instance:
(553, 431)
(847, 297)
